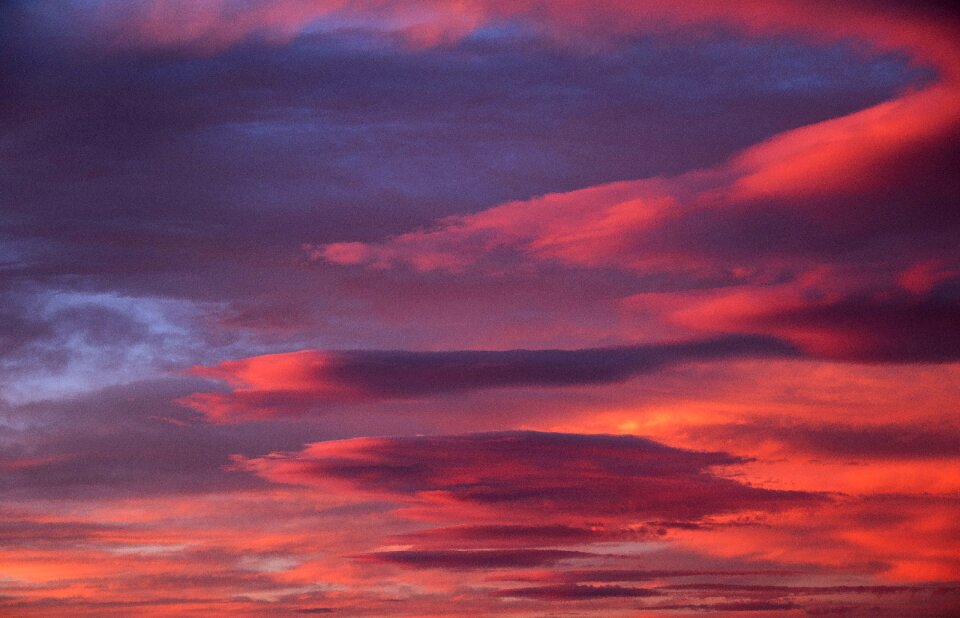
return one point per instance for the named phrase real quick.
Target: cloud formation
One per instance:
(508, 239)
(594, 476)
(295, 383)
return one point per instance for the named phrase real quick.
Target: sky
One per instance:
(526, 308)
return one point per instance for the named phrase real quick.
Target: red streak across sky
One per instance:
(479, 308)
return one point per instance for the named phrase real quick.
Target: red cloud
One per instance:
(595, 476)
(470, 559)
(874, 187)
(883, 327)
(296, 383)
(575, 592)
(881, 165)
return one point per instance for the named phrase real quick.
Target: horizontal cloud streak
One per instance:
(606, 477)
(293, 384)
(474, 559)
(836, 440)
(577, 592)
(883, 327)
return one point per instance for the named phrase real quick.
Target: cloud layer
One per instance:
(487, 308)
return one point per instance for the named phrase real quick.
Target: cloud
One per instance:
(883, 327)
(474, 559)
(296, 383)
(520, 535)
(211, 25)
(125, 441)
(844, 440)
(799, 590)
(516, 189)
(863, 181)
(640, 575)
(577, 592)
(155, 173)
(242, 131)
(736, 606)
(829, 190)
(853, 190)
(614, 478)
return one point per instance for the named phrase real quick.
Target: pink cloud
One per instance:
(303, 383)
(600, 477)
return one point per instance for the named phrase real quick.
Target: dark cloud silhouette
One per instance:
(577, 592)
(458, 559)
(735, 606)
(801, 590)
(518, 535)
(293, 384)
(641, 575)
(601, 476)
(874, 330)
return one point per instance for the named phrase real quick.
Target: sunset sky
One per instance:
(492, 308)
